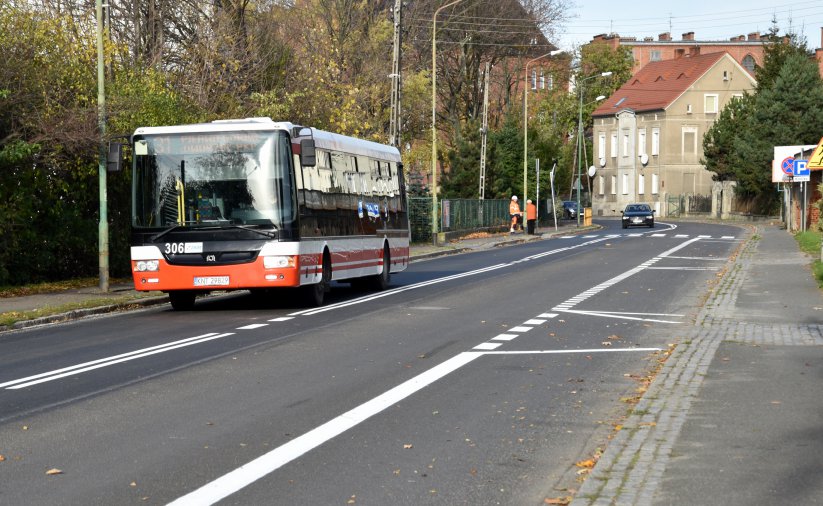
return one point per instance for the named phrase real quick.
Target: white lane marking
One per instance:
(547, 315)
(504, 337)
(624, 316)
(105, 362)
(681, 236)
(567, 237)
(520, 329)
(534, 321)
(570, 303)
(253, 326)
(570, 352)
(657, 235)
(387, 293)
(247, 474)
(715, 259)
(684, 268)
(728, 237)
(704, 237)
(487, 346)
(282, 319)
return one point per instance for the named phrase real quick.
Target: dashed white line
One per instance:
(504, 337)
(487, 346)
(520, 329)
(282, 319)
(534, 322)
(253, 326)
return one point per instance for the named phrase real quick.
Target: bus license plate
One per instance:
(211, 281)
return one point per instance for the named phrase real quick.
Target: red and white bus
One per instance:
(256, 204)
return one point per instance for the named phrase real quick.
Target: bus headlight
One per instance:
(278, 262)
(147, 266)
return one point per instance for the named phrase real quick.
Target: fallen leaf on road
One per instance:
(2, 458)
(588, 464)
(52, 472)
(606, 343)
(613, 337)
(407, 446)
(352, 500)
(558, 500)
(133, 484)
(777, 402)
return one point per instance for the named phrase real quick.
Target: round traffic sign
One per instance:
(787, 166)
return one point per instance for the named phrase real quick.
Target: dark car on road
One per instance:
(570, 209)
(638, 215)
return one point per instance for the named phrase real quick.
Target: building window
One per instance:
(654, 55)
(655, 184)
(542, 81)
(614, 145)
(601, 145)
(534, 79)
(641, 184)
(602, 185)
(710, 106)
(550, 82)
(625, 185)
(748, 63)
(614, 185)
(625, 144)
(689, 140)
(655, 141)
(641, 141)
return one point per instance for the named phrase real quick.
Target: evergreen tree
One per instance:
(718, 143)
(462, 181)
(790, 112)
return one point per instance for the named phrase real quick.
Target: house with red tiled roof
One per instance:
(648, 136)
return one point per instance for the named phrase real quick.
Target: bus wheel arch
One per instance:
(381, 281)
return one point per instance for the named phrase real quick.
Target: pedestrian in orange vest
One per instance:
(531, 216)
(514, 213)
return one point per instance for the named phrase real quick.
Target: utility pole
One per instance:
(394, 123)
(103, 224)
(484, 130)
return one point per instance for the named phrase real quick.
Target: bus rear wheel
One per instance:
(381, 281)
(182, 300)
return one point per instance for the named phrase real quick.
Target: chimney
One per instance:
(688, 36)
(664, 36)
(821, 36)
(754, 36)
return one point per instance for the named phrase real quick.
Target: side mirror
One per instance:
(114, 158)
(308, 156)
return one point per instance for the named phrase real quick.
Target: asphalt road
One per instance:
(476, 379)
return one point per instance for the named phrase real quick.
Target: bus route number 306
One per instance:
(175, 248)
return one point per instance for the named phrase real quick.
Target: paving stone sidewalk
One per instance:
(645, 463)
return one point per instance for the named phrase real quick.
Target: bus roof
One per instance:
(322, 139)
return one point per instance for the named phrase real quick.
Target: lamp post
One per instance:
(580, 135)
(434, 119)
(526, 118)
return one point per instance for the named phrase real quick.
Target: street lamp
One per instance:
(526, 118)
(580, 134)
(434, 119)
(103, 223)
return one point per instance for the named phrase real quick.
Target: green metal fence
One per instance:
(456, 215)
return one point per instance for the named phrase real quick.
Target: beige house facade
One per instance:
(648, 136)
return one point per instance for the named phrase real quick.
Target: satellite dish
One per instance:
(602, 161)
(644, 159)
(592, 171)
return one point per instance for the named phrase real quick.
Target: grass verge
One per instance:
(809, 242)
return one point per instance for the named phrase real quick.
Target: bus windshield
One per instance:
(213, 179)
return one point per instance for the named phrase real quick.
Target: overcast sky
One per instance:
(708, 19)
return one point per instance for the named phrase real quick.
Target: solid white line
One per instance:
(249, 473)
(253, 326)
(561, 352)
(101, 360)
(112, 362)
(619, 316)
(716, 259)
(684, 268)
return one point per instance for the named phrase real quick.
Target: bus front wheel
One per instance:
(316, 293)
(182, 300)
